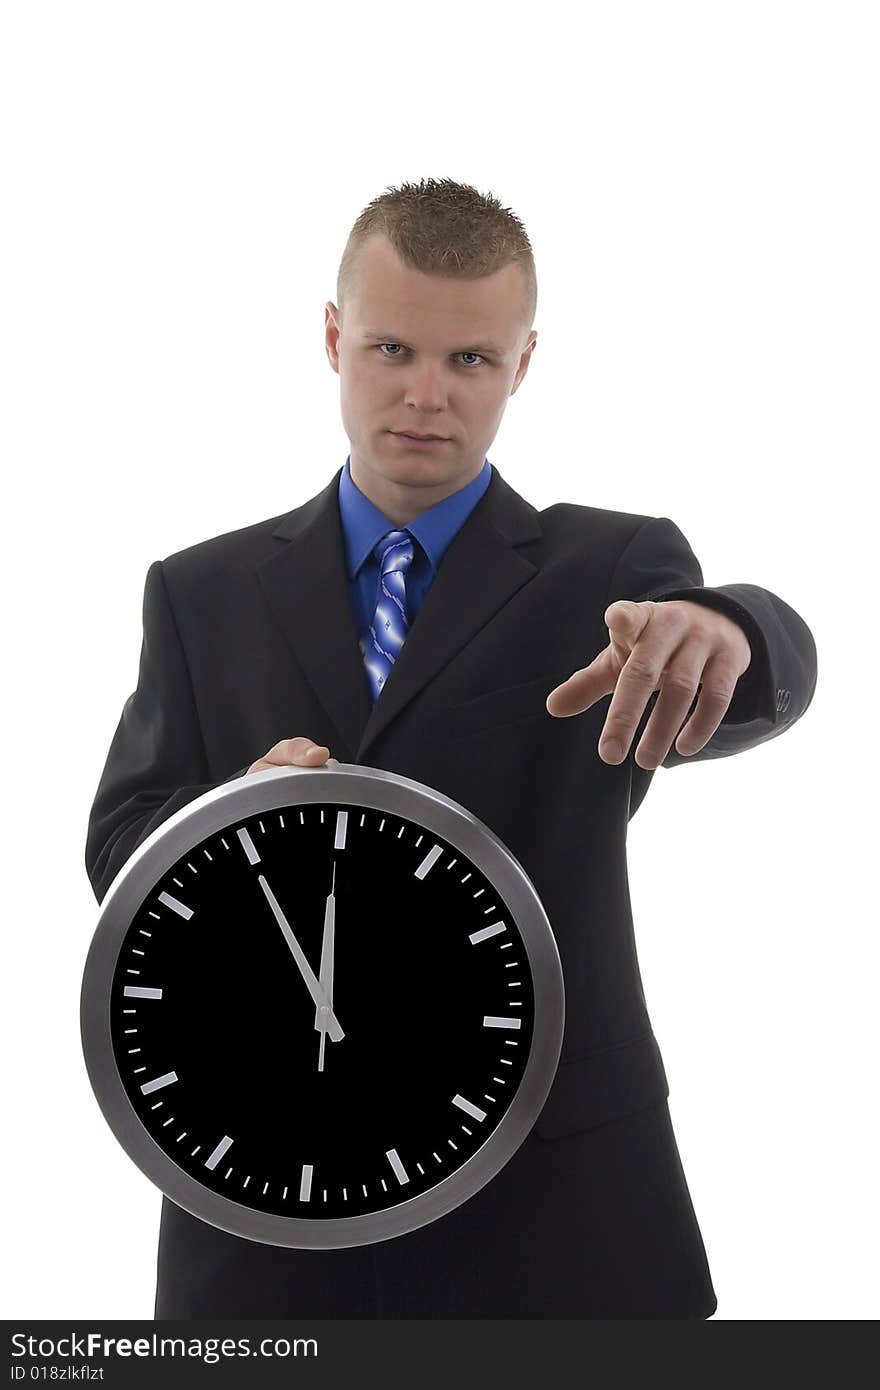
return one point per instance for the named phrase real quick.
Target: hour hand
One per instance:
(314, 986)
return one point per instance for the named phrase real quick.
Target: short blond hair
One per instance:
(443, 228)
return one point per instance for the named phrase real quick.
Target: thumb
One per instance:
(584, 686)
(626, 620)
(625, 613)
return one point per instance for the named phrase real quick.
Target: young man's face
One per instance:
(424, 372)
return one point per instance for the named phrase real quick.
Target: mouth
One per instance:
(419, 438)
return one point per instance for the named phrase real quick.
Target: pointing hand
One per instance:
(678, 647)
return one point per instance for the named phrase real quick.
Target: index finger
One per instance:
(639, 678)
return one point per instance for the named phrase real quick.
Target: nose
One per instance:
(427, 395)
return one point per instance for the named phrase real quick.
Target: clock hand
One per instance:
(325, 976)
(316, 990)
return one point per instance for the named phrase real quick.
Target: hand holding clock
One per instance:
(298, 752)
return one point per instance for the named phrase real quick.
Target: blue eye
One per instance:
(461, 354)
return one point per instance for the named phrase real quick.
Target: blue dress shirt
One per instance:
(363, 526)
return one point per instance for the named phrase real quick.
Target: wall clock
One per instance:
(322, 1007)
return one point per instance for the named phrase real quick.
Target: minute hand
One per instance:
(315, 988)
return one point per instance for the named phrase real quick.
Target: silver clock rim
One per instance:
(375, 789)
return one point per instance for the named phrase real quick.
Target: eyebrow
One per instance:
(490, 349)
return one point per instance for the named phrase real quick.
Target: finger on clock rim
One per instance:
(295, 750)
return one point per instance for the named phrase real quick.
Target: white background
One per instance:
(699, 182)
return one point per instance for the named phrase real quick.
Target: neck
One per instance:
(403, 502)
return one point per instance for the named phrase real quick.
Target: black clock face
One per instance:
(322, 1011)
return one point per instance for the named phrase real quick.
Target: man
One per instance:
(420, 616)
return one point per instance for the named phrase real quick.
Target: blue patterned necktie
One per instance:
(381, 646)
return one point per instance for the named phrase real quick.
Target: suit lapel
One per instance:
(306, 586)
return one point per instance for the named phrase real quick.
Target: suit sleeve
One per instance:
(157, 761)
(777, 686)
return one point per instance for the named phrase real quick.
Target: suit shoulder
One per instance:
(224, 552)
(573, 522)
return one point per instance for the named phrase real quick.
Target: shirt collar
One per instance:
(363, 525)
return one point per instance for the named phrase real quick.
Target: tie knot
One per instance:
(394, 551)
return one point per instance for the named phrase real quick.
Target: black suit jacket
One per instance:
(249, 638)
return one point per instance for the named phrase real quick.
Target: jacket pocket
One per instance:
(509, 704)
(604, 1085)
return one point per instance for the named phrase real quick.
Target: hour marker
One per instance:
(175, 905)
(158, 1082)
(399, 1171)
(223, 1147)
(305, 1185)
(490, 1022)
(248, 846)
(468, 1108)
(485, 932)
(429, 861)
(341, 827)
(141, 992)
